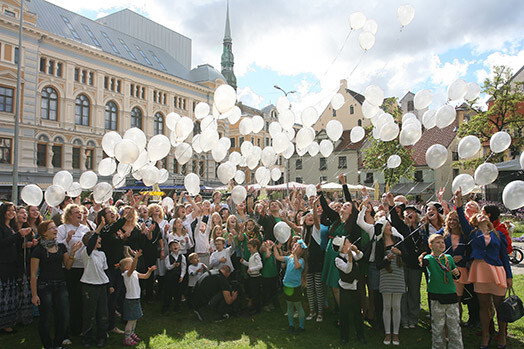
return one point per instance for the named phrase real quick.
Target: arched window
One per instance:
(82, 110)
(111, 116)
(359, 122)
(77, 148)
(136, 118)
(49, 104)
(158, 124)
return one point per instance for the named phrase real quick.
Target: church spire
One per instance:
(228, 60)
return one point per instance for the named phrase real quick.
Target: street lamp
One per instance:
(287, 160)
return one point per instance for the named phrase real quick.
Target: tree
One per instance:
(505, 112)
(378, 152)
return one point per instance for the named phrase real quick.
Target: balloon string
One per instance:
(358, 63)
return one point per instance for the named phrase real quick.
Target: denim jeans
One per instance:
(54, 300)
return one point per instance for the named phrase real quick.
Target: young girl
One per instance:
(217, 232)
(295, 266)
(132, 307)
(181, 234)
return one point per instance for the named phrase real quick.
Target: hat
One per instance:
(437, 205)
(381, 224)
(173, 241)
(338, 241)
(413, 207)
(400, 204)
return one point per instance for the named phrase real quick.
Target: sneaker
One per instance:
(135, 337)
(199, 316)
(310, 316)
(130, 342)
(412, 326)
(406, 326)
(118, 314)
(67, 341)
(117, 331)
(395, 342)
(320, 318)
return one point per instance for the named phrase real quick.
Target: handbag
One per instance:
(511, 309)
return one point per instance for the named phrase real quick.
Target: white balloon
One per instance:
(219, 152)
(196, 144)
(276, 174)
(394, 161)
(149, 175)
(102, 192)
(246, 147)
(163, 176)
(240, 176)
(32, 195)
(235, 158)
(136, 135)
(357, 20)
(63, 179)
(405, 14)
(357, 134)
(158, 147)
(274, 129)
(118, 181)
(410, 135)
(457, 90)
(408, 117)
(313, 149)
(436, 156)
(301, 151)
(286, 119)
(88, 180)
(234, 115)
(311, 190)
(226, 172)
(192, 184)
(499, 142)
(334, 130)
(486, 174)
(374, 95)
(445, 116)
(243, 161)
(238, 194)
(290, 150)
(202, 110)
(54, 195)
(183, 128)
(465, 182)
(107, 167)
(326, 148)
(383, 119)
(366, 40)
(143, 159)
(208, 123)
(423, 99)
(123, 169)
(252, 162)
(468, 147)
(183, 153)
(225, 98)
(337, 101)
(268, 157)
(429, 119)
(168, 202)
(246, 126)
(521, 161)
(74, 190)
(389, 131)
(376, 133)
(309, 116)
(513, 195)
(282, 232)
(109, 141)
(280, 142)
(370, 26)
(171, 120)
(283, 104)
(258, 123)
(304, 138)
(369, 110)
(290, 134)
(473, 91)
(263, 176)
(127, 151)
(226, 142)
(208, 139)
(136, 175)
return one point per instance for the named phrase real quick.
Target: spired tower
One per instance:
(228, 60)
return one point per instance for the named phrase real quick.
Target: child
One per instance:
(132, 307)
(442, 294)
(195, 271)
(349, 296)
(222, 255)
(176, 270)
(94, 290)
(216, 232)
(201, 236)
(295, 266)
(255, 278)
(269, 277)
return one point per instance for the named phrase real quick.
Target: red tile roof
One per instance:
(433, 136)
(345, 142)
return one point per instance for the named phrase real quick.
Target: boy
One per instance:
(176, 270)
(442, 294)
(222, 256)
(195, 271)
(255, 278)
(269, 277)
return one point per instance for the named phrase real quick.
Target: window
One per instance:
(91, 79)
(323, 178)
(41, 154)
(351, 109)
(77, 74)
(201, 167)
(90, 158)
(110, 42)
(197, 127)
(82, 110)
(258, 142)
(455, 172)
(299, 180)
(454, 156)
(240, 141)
(49, 104)
(419, 176)
(5, 150)
(127, 49)
(342, 162)
(9, 13)
(111, 116)
(76, 157)
(334, 113)
(51, 67)
(323, 164)
(91, 35)
(84, 76)
(369, 177)
(136, 118)
(158, 61)
(184, 169)
(6, 99)
(194, 165)
(42, 64)
(359, 122)
(59, 69)
(143, 55)
(158, 124)
(298, 164)
(233, 139)
(411, 106)
(57, 155)
(71, 28)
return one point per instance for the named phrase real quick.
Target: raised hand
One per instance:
(76, 246)
(458, 197)
(342, 178)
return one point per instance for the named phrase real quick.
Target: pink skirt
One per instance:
(487, 278)
(460, 283)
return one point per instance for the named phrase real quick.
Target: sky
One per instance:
(309, 47)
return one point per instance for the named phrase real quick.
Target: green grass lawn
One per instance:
(266, 330)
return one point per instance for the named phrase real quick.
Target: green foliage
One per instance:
(503, 114)
(377, 154)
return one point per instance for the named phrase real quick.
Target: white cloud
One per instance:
(445, 74)
(514, 61)
(248, 97)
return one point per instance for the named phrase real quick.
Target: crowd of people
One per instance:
(84, 264)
